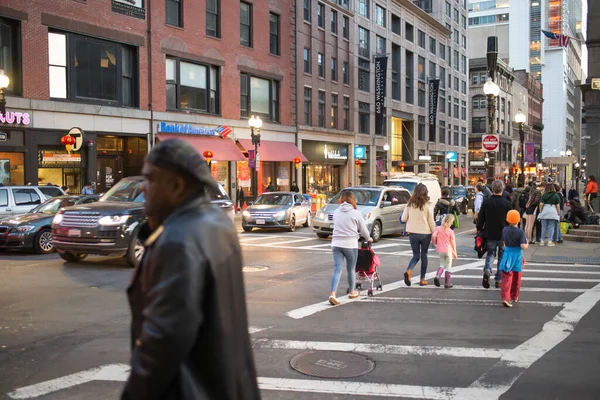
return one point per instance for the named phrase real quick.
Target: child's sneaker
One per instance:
(486, 280)
(497, 284)
(515, 300)
(436, 281)
(447, 286)
(506, 304)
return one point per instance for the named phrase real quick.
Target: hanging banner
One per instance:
(434, 88)
(251, 159)
(529, 152)
(380, 83)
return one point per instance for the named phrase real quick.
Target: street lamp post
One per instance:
(487, 161)
(255, 124)
(4, 82)
(491, 90)
(520, 119)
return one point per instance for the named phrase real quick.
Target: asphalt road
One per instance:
(64, 327)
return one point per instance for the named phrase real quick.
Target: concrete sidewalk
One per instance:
(566, 252)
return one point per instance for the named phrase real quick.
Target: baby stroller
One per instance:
(366, 268)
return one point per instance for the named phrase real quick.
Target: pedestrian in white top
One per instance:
(348, 226)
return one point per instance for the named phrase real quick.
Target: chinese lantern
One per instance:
(402, 167)
(357, 162)
(208, 155)
(68, 141)
(437, 168)
(297, 162)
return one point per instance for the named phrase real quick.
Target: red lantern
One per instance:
(297, 162)
(402, 166)
(208, 155)
(437, 168)
(67, 141)
(357, 162)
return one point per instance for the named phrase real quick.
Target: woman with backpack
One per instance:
(549, 214)
(444, 206)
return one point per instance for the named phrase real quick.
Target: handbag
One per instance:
(456, 221)
(564, 227)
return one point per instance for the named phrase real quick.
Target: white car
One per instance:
(410, 182)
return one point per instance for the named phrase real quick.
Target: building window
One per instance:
(421, 94)
(346, 73)
(456, 37)
(246, 24)
(259, 96)
(345, 27)
(456, 106)
(396, 25)
(421, 69)
(464, 22)
(442, 101)
(432, 45)
(478, 124)
(321, 109)
(92, 70)
(192, 86)
(363, 8)
(212, 18)
(334, 19)
(431, 70)
(463, 110)
(464, 41)
(410, 66)
(334, 111)
(396, 70)
(455, 60)
(363, 43)
(380, 45)
(456, 83)
(449, 135)
(274, 34)
(463, 88)
(448, 10)
(344, 3)
(475, 79)
(307, 64)
(421, 128)
(449, 106)
(321, 15)
(334, 69)
(463, 137)
(380, 15)
(442, 51)
(409, 32)
(173, 12)
(456, 15)
(10, 54)
(464, 64)
(307, 10)
(307, 106)
(364, 117)
(456, 135)
(421, 39)
(346, 113)
(442, 131)
(364, 75)
(479, 102)
(320, 65)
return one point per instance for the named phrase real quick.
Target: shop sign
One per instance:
(61, 157)
(424, 158)
(189, 129)
(380, 84)
(328, 153)
(132, 8)
(360, 152)
(3, 136)
(451, 156)
(335, 153)
(12, 117)
(477, 163)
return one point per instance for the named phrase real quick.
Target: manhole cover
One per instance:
(255, 268)
(332, 364)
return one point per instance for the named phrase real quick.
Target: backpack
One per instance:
(523, 199)
(592, 219)
(487, 193)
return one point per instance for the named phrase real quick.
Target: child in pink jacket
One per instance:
(445, 245)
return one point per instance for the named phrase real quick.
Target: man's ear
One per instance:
(178, 186)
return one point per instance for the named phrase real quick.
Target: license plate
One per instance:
(330, 226)
(74, 232)
(260, 222)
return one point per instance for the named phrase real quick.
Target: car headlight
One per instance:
(246, 214)
(113, 220)
(320, 215)
(279, 214)
(24, 228)
(57, 218)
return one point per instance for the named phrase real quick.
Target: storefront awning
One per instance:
(270, 150)
(223, 149)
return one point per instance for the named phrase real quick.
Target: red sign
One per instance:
(490, 142)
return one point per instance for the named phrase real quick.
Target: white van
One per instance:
(410, 181)
(15, 200)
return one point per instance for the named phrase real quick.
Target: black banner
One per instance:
(434, 88)
(380, 84)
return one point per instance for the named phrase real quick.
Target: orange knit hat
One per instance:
(513, 217)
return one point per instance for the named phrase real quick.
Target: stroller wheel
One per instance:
(370, 292)
(359, 286)
(380, 287)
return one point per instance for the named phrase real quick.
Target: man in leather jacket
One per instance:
(189, 329)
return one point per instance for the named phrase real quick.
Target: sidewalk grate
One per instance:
(332, 364)
(576, 260)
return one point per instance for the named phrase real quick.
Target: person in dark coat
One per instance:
(189, 329)
(241, 198)
(294, 188)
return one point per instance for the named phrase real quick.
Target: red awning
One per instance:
(270, 150)
(224, 149)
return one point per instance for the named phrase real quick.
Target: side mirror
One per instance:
(298, 203)
(386, 204)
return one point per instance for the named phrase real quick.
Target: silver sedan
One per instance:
(277, 210)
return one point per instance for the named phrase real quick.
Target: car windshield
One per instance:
(219, 194)
(410, 186)
(53, 205)
(274, 199)
(458, 192)
(125, 190)
(364, 197)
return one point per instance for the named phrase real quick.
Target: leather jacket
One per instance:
(189, 330)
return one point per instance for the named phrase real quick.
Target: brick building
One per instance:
(127, 71)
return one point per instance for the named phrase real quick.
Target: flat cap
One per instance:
(179, 156)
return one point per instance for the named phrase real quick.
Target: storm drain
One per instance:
(331, 364)
(255, 268)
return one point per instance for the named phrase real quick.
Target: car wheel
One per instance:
(43, 242)
(247, 228)
(292, 226)
(135, 252)
(322, 235)
(308, 220)
(71, 257)
(376, 231)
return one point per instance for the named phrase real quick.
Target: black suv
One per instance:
(110, 226)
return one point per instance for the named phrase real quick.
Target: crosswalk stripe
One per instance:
(275, 244)
(555, 271)
(523, 289)
(533, 278)
(478, 302)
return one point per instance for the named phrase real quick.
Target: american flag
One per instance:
(224, 131)
(563, 40)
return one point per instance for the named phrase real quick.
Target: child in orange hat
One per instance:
(512, 261)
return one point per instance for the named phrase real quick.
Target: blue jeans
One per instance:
(492, 246)
(557, 233)
(339, 254)
(550, 224)
(420, 246)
